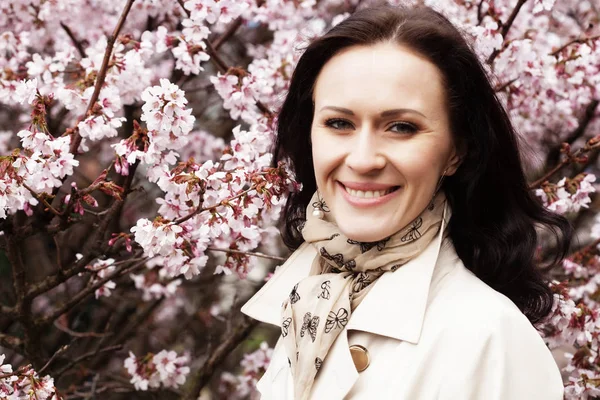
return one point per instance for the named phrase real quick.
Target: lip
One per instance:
(363, 203)
(365, 186)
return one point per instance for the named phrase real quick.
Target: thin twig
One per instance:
(566, 161)
(579, 40)
(58, 256)
(248, 253)
(229, 32)
(480, 15)
(217, 60)
(201, 209)
(56, 354)
(221, 65)
(84, 357)
(505, 28)
(41, 199)
(76, 42)
(110, 42)
(18, 270)
(79, 334)
(61, 276)
(588, 116)
(503, 86)
(85, 293)
(204, 373)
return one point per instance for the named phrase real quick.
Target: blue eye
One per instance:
(338, 124)
(342, 124)
(405, 127)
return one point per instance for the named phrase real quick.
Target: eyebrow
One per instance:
(386, 113)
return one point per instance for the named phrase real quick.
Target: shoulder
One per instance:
(495, 341)
(470, 307)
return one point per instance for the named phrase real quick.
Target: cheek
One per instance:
(419, 163)
(325, 158)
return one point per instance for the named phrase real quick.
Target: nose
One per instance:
(366, 153)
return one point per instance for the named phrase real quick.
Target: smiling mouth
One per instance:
(369, 194)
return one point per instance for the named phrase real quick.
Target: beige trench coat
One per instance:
(432, 329)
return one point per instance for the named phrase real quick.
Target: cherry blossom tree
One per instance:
(139, 206)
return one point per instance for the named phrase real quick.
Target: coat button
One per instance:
(360, 356)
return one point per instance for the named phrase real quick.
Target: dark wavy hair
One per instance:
(494, 214)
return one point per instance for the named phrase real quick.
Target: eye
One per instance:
(404, 127)
(338, 124)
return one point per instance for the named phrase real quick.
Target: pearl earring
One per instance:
(317, 213)
(319, 208)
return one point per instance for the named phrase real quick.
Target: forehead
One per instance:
(380, 75)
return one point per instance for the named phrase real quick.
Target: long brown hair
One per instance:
(493, 212)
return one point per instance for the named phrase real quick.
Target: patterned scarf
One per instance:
(319, 306)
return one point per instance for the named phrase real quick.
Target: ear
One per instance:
(454, 162)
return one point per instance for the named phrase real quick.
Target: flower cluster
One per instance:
(168, 124)
(101, 269)
(25, 384)
(253, 366)
(38, 169)
(569, 194)
(218, 193)
(165, 369)
(151, 286)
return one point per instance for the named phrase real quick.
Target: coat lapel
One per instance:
(402, 295)
(265, 305)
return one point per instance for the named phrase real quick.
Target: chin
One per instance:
(362, 235)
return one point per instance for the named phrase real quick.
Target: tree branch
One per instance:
(41, 199)
(85, 357)
(568, 160)
(579, 40)
(203, 375)
(18, 270)
(76, 42)
(110, 43)
(220, 64)
(248, 253)
(201, 209)
(588, 116)
(231, 29)
(506, 27)
(85, 293)
(56, 354)
(60, 277)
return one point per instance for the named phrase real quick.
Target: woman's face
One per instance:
(380, 138)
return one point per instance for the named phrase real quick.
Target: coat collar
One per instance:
(406, 291)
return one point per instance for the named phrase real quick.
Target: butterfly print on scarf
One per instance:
(366, 246)
(413, 233)
(338, 259)
(310, 324)
(336, 320)
(362, 281)
(325, 290)
(285, 326)
(318, 363)
(395, 267)
(294, 296)
(320, 204)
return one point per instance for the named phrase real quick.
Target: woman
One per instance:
(414, 233)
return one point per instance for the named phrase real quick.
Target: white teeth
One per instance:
(368, 194)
